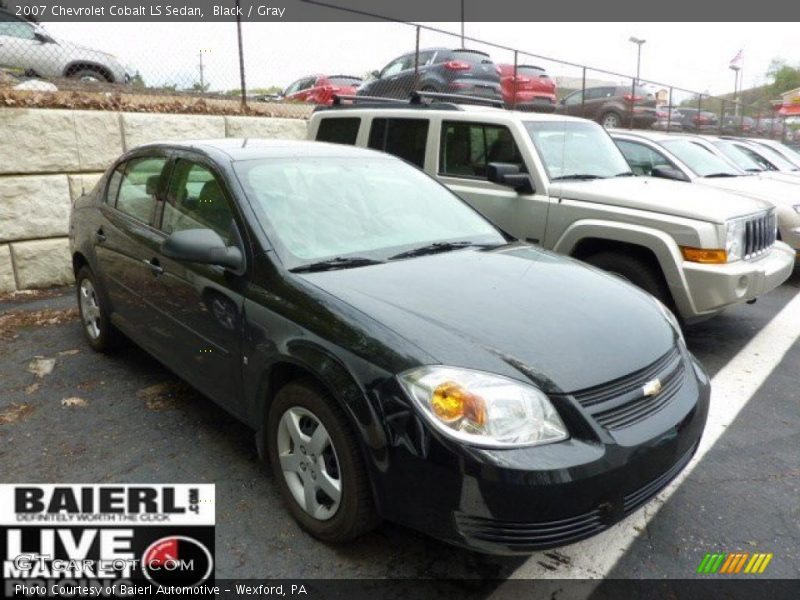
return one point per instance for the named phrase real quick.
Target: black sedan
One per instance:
(397, 356)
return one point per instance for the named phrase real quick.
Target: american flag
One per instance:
(737, 60)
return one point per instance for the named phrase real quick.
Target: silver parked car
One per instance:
(28, 47)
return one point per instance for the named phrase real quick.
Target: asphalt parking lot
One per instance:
(70, 415)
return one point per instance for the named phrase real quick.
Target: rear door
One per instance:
(200, 305)
(573, 104)
(125, 238)
(465, 150)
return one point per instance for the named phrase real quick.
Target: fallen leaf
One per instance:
(41, 367)
(32, 389)
(11, 321)
(74, 401)
(69, 352)
(14, 413)
(165, 395)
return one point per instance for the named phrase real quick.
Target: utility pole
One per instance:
(735, 69)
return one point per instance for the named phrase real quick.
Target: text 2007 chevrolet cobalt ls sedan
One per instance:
(398, 356)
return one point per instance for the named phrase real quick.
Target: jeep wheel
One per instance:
(635, 270)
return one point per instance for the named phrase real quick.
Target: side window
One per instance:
(641, 158)
(573, 99)
(405, 138)
(17, 29)
(196, 200)
(113, 185)
(137, 191)
(292, 88)
(467, 149)
(339, 130)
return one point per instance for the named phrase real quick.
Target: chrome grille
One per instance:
(760, 233)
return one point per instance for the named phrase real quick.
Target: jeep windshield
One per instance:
(325, 213)
(576, 150)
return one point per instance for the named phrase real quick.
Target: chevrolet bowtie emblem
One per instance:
(652, 388)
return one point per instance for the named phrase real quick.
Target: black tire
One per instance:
(90, 75)
(637, 271)
(108, 337)
(611, 120)
(356, 513)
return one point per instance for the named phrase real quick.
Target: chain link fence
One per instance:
(252, 68)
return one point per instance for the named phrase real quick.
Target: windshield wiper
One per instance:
(626, 174)
(340, 262)
(437, 247)
(579, 176)
(721, 175)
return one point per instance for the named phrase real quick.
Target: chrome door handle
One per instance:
(99, 235)
(155, 266)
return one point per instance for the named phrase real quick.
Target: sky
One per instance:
(695, 56)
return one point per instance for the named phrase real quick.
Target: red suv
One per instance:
(320, 89)
(534, 88)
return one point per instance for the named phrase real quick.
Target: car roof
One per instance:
(452, 110)
(236, 149)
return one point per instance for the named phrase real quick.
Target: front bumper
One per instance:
(715, 287)
(516, 501)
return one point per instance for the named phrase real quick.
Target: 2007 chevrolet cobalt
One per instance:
(397, 355)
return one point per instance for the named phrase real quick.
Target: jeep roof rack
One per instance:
(431, 100)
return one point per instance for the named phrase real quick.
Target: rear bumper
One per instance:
(715, 287)
(532, 103)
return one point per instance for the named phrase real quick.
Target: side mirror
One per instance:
(510, 175)
(202, 246)
(669, 173)
(42, 38)
(375, 74)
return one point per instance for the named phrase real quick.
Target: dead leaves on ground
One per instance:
(14, 413)
(12, 321)
(74, 401)
(165, 395)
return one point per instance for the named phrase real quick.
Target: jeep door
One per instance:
(465, 151)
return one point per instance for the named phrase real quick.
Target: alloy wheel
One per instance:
(309, 463)
(90, 309)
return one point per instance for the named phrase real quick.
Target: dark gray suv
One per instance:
(442, 70)
(611, 106)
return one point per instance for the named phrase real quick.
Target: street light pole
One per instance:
(639, 43)
(735, 69)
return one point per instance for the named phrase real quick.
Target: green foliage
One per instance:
(783, 77)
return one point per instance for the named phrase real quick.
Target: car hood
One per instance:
(517, 311)
(661, 195)
(767, 189)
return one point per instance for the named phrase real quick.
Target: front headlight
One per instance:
(734, 238)
(483, 409)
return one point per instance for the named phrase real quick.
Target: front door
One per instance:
(466, 149)
(201, 305)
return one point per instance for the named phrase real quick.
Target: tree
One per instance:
(782, 76)
(137, 80)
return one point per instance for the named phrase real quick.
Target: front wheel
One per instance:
(635, 270)
(317, 464)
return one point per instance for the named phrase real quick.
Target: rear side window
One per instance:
(137, 192)
(339, 130)
(345, 81)
(405, 138)
(467, 149)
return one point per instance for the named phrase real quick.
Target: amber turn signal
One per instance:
(452, 402)
(704, 256)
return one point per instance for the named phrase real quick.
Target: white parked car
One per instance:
(687, 158)
(28, 47)
(787, 152)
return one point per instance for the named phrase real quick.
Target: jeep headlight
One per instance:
(483, 409)
(735, 238)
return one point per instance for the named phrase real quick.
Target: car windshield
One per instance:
(576, 150)
(739, 158)
(776, 159)
(702, 162)
(318, 208)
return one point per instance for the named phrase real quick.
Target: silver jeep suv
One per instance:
(562, 182)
